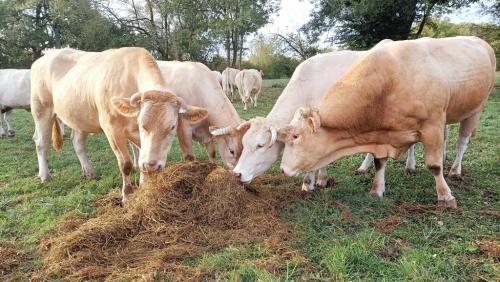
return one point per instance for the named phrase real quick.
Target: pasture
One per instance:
(342, 232)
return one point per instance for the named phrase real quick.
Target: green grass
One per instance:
(338, 228)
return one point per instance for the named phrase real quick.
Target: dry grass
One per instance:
(188, 209)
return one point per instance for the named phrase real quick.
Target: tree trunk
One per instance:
(242, 37)
(234, 39)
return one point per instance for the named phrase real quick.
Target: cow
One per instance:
(309, 82)
(218, 76)
(395, 95)
(249, 83)
(196, 85)
(120, 92)
(14, 94)
(228, 82)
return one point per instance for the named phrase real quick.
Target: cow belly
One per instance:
(77, 114)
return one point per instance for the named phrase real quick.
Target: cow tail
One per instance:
(57, 139)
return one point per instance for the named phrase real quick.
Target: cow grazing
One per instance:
(228, 81)
(218, 76)
(120, 92)
(396, 95)
(249, 83)
(14, 94)
(195, 84)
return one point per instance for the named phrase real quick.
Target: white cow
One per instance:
(249, 83)
(218, 76)
(14, 94)
(228, 81)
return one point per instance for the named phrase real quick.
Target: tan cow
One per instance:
(228, 81)
(195, 84)
(396, 95)
(119, 92)
(249, 83)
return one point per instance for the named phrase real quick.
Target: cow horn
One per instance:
(274, 135)
(221, 131)
(182, 105)
(135, 98)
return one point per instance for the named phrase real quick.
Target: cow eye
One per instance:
(173, 127)
(295, 136)
(260, 146)
(231, 152)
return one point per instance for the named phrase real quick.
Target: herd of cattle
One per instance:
(380, 102)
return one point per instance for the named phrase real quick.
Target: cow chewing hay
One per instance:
(186, 210)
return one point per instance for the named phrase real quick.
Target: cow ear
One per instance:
(193, 114)
(312, 124)
(126, 107)
(283, 133)
(244, 126)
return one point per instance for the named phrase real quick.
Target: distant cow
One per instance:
(397, 94)
(218, 76)
(14, 94)
(120, 92)
(228, 81)
(249, 83)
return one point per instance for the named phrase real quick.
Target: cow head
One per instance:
(157, 114)
(300, 142)
(260, 149)
(228, 140)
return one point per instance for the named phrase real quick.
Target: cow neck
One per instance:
(338, 143)
(225, 114)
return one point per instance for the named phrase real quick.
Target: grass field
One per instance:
(343, 233)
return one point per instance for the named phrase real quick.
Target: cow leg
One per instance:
(432, 139)
(308, 183)
(185, 135)
(210, 147)
(8, 120)
(446, 135)
(255, 98)
(244, 100)
(378, 186)
(2, 132)
(322, 180)
(411, 164)
(44, 119)
(365, 166)
(79, 140)
(467, 126)
(61, 126)
(118, 143)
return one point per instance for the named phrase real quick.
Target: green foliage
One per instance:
(360, 24)
(266, 56)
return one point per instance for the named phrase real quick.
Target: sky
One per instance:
(294, 13)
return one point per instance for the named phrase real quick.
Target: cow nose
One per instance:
(282, 171)
(152, 166)
(237, 174)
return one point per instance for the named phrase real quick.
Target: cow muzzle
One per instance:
(151, 166)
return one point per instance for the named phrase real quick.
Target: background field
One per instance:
(343, 233)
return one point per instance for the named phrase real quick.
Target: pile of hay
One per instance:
(188, 209)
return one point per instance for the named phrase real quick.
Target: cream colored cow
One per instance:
(249, 83)
(120, 92)
(228, 81)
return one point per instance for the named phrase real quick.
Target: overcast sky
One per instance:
(294, 13)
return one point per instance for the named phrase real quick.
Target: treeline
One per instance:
(216, 32)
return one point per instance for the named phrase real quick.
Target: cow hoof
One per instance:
(91, 175)
(189, 158)
(455, 175)
(376, 194)
(11, 133)
(448, 203)
(329, 182)
(45, 178)
(410, 171)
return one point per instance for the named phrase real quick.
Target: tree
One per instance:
(299, 44)
(360, 24)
